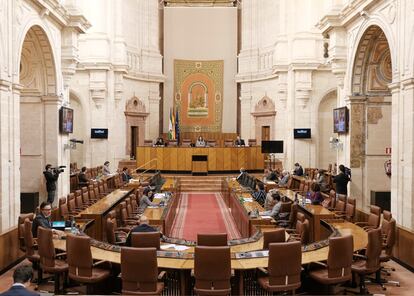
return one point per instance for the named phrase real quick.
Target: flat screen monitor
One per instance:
(340, 120)
(302, 133)
(272, 146)
(99, 133)
(66, 120)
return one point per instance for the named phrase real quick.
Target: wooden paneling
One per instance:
(212, 160)
(9, 248)
(219, 159)
(218, 137)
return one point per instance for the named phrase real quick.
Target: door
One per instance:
(266, 133)
(134, 141)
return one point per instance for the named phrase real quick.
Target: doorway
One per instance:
(265, 133)
(134, 141)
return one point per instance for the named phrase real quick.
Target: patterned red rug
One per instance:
(203, 212)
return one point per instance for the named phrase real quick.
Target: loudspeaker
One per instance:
(29, 201)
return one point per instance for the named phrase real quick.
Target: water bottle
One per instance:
(72, 226)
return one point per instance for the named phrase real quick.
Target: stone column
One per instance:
(245, 110)
(53, 149)
(356, 142)
(10, 159)
(152, 125)
(405, 181)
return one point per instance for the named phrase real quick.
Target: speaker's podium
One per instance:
(199, 164)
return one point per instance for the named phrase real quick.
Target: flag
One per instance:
(177, 126)
(171, 127)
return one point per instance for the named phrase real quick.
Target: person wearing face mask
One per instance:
(200, 142)
(146, 200)
(51, 176)
(43, 218)
(298, 171)
(321, 180)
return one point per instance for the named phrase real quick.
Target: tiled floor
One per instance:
(401, 274)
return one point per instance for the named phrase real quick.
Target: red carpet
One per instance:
(203, 213)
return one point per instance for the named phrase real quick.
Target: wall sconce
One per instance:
(336, 143)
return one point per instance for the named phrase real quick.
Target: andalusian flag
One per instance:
(171, 126)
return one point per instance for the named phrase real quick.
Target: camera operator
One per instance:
(51, 176)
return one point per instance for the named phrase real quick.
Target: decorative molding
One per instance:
(200, 3)
(265, 107)
(303, 87)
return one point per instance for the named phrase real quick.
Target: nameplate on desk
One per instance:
(152, 207)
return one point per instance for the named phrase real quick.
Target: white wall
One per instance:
(192, 33)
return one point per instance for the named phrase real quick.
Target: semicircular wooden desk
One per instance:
(184, 261)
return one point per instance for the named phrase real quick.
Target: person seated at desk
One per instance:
(83, 180)
(315, 194)
(274, 212)
(142, 227)
(200, 142)
(105, 169)
(156, 182)
(260, 194)
(284, 179)
(270, 202)
(22, 276)
(43, 219)
(125, 175)
(271, 175)
(321, 180)
(146, 200)
(159, 142)
(239, 142)
(298, 171)
(242, 172)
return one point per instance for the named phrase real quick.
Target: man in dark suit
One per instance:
(239, 142)
(142, 227)
(298, 171)
(83, 180)
(51, 176)
(125, 175)
(21, 278)
(43, 218)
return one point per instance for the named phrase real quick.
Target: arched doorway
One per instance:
(326, 153)
(370, 119)
(135, 116)
(38, 111)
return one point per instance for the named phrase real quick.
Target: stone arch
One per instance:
(264, 114)
(135, 116)
(372, 71)
(370, 112)
(359, 35)
(37, 35)
(38, 109)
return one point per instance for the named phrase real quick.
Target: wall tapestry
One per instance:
(198, 95)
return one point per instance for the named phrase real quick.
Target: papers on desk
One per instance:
(159, 195)
(152, 207)
(248, 199)
(270, 182)
(266, 217)
(175, 247)
(308, 201)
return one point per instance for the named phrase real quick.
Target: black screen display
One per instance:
(302, 133)
(99, 133)
(272, 146)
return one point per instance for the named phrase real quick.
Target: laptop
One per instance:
(59, 225)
